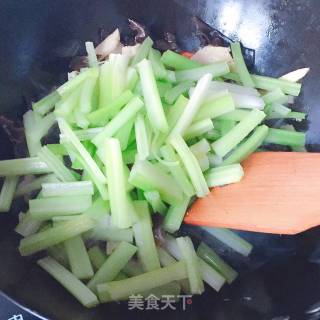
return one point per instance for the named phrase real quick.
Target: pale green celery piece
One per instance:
(231, 239)
(224, 175)
(225, 126)
(56, 165)
(46, 104)
(87, 95)
(144, 239)
(236, 115)
(113, 265)
(154, 199)
(143, 51)
(269, 84)
(123, 135)
(57, 234)
(163, 87)
(147, 177)
(177, 61)
(86, 297)
(78, 258)
(172, 95)
(215, 69)
(100, 208)
(158, 68)
(142, 140)
(285, 137)
(60, 189)
(216, 107)
(46, 208)
(7, 192)
(119, 289)
(212, 135)
(241, 66)
(192, 262)
(121, 276)
(233, 88)
(23, 166)
(92, 57)
(171, 76)
(75, 142)
(68, 104)
(171, 289)
(35, 184)
(251, 144)
(105, 84)
(45, 124)
(97, 257)
(72, 84)
(202, 146)
(151, 96)
(133, 268)
(211, 257)
(227, 142)
(132, 78)
(178, 172)
(28, 226)
(81, 120)
(111, 245)
(175, 215)
(277, 110)
(111, 234)
(125, 115)
(298, 116)
(193, 106)
(121, 210)
(58, 252)
(191, 165)
(203, 161)
(57, 149)
(87, 134)
(198, 128)
(31, 129)
(275, 96)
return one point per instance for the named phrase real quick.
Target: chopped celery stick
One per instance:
(56, 165)
(46, 104)
(247, 101)
(105, 84)
(163, 87)
(129, 156)
(69, 282)
(171, 76)
(132, 78)
(133, 268)
(126, 114)
(27, 226)
(236, 115)
(275, 95)
(146, 281)
(171, 289)
(209, 256)
(110, 246)
(97, 257)
(87, 95)
(143, 51)
(111, 234)
(212, 135)
(198, 128)
(277, 110)
(154, 199)
(178, 172)
(269, 84)
(192, 262)
(191, 165)
(100, 208)
(251, 144)
(35, 184)
(72, 139)
(121, 211)
(23, 166)
(142, 140)
(175, 215)
(92, 57)
(216, 69)
(7, 192)
(216, 107)
(81, 120)
(203, 161)
(201, 146)
(226, 143)
(193, 106)
(58, 252)
(66, 105)
(113, 265)
(177, 61)
(87, 134)
(225, 126)
(144, 239)
(241, 66)
(57, 149)
(285, 137)
(62, 232)
(78, 258)
(224, 175)
(172, 95)
(233, 88)
(151, 96)
(100, 117)
(31, 129)
(231, 239)
(298, 116)
(123, 135)
(46, 208)
(158, 68)
(60, 189)
(147, 177)
(72, 84)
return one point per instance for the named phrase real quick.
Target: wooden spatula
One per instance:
(280, 193)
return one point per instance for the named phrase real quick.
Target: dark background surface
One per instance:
(38, 38)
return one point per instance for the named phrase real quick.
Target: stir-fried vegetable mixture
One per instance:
(141, 134)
